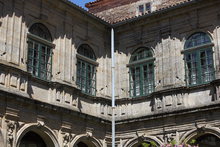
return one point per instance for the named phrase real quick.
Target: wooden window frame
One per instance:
(86, 75)
(196, 75)
(38, 66)
(144, 88)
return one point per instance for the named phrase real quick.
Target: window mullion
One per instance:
(141, 74)
(130, 81)
(135, 81)
(39, 60)
(199, 66)
(51, 61)
(32, 57)
(81, 74)
(86, 78)
(95, 80)
(153, 80)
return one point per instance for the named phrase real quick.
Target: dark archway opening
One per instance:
(81, 144)
(32, 139)
(145, 144)
(208, 140)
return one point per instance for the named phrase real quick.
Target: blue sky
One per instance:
(81, 2)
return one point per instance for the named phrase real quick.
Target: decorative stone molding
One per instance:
(140, 135)
(216, 92)
(200, 129)
(158, 103)
(168, 101)
(2, 77)
(40, 124)
(49, 135)
(13, 80)
(169, 137)
(89, 132)
(67, 138)
(64, 96)
(88, 137)
(11, 127)
(140, 138)
(123, 109)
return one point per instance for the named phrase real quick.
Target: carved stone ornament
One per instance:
(89, 132)
(159, 103)
(140, 136)
(169, 137)
(40, 123)
(66, 139)
(10, 133)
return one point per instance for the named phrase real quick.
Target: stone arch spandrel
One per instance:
(91, 139)
(135, 141)
(199, 132)
(43, 131)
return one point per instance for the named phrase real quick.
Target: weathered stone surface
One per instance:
(60, 112)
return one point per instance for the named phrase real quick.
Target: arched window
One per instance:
(141, 69)
(40, 51)
(198, 56)
(86, 69)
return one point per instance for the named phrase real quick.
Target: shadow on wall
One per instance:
(68, 30)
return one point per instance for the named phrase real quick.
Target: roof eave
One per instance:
(87, 13)
(117, 24)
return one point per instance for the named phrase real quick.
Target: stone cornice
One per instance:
(171, 114)
(24, 98)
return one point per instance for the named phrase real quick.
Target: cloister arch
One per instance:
(201, 134)
(87, 140)
(45, 133)
(137, 141)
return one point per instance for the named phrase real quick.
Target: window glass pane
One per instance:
(137, 81)
(141, 10)
(41, 31)
(147, 8)
(206, 65)
(86, 79)
(197, 39)
(141, 75)
(192, 70)
(199, 62)
(39, 60)
(86, 51)
(39, 54)
(141, 53)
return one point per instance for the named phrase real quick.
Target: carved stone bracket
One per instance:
(40, 124)
(67, 137)
(140, 136)
(11, 127)
(169, 137)
(89, 132)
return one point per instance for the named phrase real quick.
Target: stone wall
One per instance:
(32, 104)
(60, 112)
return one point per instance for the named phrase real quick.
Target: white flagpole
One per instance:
(113, 87)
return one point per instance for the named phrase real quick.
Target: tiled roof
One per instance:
(154, 12)
(124, 20)
(90, 3)
(86, 12)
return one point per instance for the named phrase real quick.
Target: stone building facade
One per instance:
(55, 75)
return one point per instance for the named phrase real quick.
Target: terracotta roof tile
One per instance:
(160, 9)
